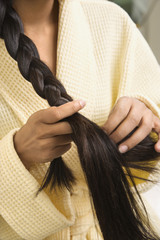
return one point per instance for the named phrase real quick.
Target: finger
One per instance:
(50, 144)
(51, 130)
(130, 123)
(157, 145)
(118, 114)
(156, 128)
(156, 125)
(136, 137)
(55, 114)
(59, 151)
(62, 140)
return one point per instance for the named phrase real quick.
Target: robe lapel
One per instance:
(75, 55)
(75, 65)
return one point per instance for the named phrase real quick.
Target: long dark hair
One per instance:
(107, 171)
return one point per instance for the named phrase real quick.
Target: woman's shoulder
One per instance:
(103, 14)
(100, 6)
(107, 21)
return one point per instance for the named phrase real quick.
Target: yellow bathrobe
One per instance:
(101, 56)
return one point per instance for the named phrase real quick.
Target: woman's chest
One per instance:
(81, 75)
(23, 100)
(47, 49)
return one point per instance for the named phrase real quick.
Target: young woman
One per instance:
(96, 51)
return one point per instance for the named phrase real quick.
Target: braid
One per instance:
(23, 50)
(114, 202)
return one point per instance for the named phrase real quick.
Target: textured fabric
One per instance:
(101, 56)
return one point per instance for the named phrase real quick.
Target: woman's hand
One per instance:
(127, 114)
(43, 137)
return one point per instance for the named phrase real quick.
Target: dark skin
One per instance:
(40, 20)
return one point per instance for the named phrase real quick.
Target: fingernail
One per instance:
(123, 149)
(82, 103)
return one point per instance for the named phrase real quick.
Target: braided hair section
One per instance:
(23, 50)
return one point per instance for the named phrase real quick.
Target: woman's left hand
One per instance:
(127, 114)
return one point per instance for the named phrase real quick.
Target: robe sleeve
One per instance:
(22, 214)
(140, 79)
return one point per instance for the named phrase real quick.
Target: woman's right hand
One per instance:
(43, 137)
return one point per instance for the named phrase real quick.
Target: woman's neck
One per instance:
(37, 14)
